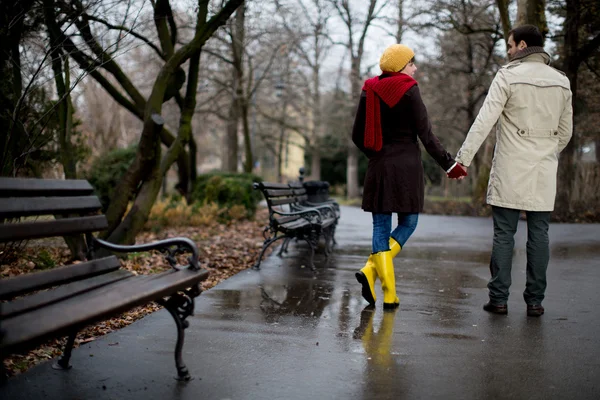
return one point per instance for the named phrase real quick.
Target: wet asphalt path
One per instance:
(285, 332)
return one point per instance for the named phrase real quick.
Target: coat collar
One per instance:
(533, 53)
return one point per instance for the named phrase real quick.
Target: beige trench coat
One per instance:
(532, 102)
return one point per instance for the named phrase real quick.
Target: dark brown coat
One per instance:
(394, 181)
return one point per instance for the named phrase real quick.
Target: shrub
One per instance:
(228, 190)
(106, 172)
(176, 212)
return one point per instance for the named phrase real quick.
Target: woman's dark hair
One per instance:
(530, 34)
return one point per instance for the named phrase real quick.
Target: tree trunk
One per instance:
(315, 164)
(230, 145)
(193, 160)
(400, 26)
(12, 134)
(352, 173)
(183, 171)
(280, 153)
(567, 166)
(249, 157)
(185, 134)
(315, 170)
(75, 243)
(532, 12)
(352, 185)
(135, 219)
(147, 157)
(504, 17)
(235, 110)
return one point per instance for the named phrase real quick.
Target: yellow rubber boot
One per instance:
(368, 274)
(367, 277)
(385, 270)
(394, 247)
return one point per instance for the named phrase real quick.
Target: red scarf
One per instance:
(390, 90)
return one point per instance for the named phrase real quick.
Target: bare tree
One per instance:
(307, 28)
(581, 42)
(247, 48)
(143, 179)
(463, 73)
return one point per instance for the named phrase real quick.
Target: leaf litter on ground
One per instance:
(224, 249)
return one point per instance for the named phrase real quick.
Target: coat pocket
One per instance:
(530, 132)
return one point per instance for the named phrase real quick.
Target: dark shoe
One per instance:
(534, 310)
(496, 309)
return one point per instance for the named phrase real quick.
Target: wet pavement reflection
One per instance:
(286, 332)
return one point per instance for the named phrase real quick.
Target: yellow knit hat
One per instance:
(395, 58)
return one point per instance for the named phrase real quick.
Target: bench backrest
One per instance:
(299, 191)
(280, 194)
(40, 208)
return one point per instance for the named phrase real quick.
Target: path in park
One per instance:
(285, 332)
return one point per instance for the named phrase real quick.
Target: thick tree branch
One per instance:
(162, 9)
(129, 31)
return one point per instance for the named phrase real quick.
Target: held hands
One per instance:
(458, 171)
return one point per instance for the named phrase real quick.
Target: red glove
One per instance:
(457, 171)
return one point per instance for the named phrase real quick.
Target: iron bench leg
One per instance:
(181, 305)
(312, 238)
(266, 245)
(63, 360)
(284, 246)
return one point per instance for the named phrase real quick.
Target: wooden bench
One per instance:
(302, 198)
(290, 217)
(80, 294)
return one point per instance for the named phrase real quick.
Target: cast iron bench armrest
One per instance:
(321, 207)
(329, 203)
(301, 213)
(171, 247)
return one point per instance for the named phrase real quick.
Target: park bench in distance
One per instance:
(84, 293)
(291, 217)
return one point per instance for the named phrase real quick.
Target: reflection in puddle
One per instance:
(305, 298)
(381, 363)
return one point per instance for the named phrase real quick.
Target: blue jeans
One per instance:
(382, 226)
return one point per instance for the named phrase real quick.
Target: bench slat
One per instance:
(279, 192)
(62, 317)
(44, 229)
(11, 287)
(11, 207)
(280, 202)
(40, 299)
(286, 218)
(273, 185)
(293, 225)
(25, 187)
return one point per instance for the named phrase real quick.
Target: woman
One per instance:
(390, 117)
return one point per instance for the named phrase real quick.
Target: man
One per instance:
(532, 102)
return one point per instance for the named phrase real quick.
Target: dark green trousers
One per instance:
(538, 254)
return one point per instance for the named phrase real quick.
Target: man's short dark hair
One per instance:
(530, 34)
